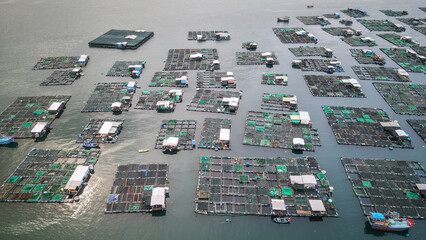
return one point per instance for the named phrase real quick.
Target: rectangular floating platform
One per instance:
(216, 134)
(279, 130)
(392, 13)
(169, 79)
(208, 35)
(355, 12)
(61, 77)
(380, 25)
(214, 79)
(279, 102)
(383, 185)
(180, 59)
(43, 175)
(101, 131)
(381, 74)
(275, 79)
(359, 42)
(122, 39)
(406, 58)
(182, 129)
(105, 94)
(396, 40)
(403, 98)
(256, 58)
(307, 51)
(413, 21)
(421, 30)
(58, 63)
(149, 99)
(419, 126)
(313, 20)
(249, 186)
(19, 118)
(133, 187)
(319, 65)
(423, 9)
(215, 101)
(294, 35)
(121, 68)
(337, 31)
(364, 127)
(420, 50)
(333, 86)
(366, 57)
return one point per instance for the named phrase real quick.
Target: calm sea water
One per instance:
(40, 28)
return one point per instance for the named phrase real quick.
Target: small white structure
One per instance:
(278, 205)
(39, 129)
(195, 56)
(77, 179)
(231, 102)
(307, 181)
(55, 107)
(335, 63)
(158, 199)
(171, 142)
(109, 128)
(304, 117)
(393, 125)
(298, 142)
(401, 134)
(223, 36)
(266, 54)
(352, 83)
(317, 206)
(165, 106)
(82, 61)
(296, 63)
(116, 107)
(225, 135)
(133, 37)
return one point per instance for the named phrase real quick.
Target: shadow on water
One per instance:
(368, 230)
(10, 145)
(159, 213)
(316, 219)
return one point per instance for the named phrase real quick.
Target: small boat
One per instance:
(390, 222)
(144, 150)
(282, 220)
(90, 145)
(283, 19)
(4, 140)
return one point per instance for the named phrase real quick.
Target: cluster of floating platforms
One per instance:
(419, 126)
(403, 98)
(105, 94)
(62, 77)
(279, 102)
(215, 101)
(313, 20)
(47, 176)
(263, 186)
(338, 31)
(191, 59)
(216, 134)
(355, 12)
(132, 190)
(383, 185)
(381, 25)
(122, 39)
(281, 130)
(406, 58)
(392, 13)
(319, 65)
(61, 62)
(333, 86)
(365, 127)
(20, 118)
(275, 79)
(101, 131)
(398, 40)
(182, 129)
(160, 100)
(257, 58)
(124, 68)
(169, 79)
(366, 56)
(209, 35)
(214, 79)
(359, 41)
(308, 51)
(413, 21)
(294, 35)
(381, 74)
(421, 30)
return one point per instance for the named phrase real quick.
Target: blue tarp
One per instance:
(377, 216)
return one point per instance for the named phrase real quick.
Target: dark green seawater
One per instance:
(30, 29)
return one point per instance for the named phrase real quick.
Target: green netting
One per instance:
(205, 166)
(12, 179)
(411, 194)
(287, 191)
(274, 192)
(237, 167)
(34, 197)
(244, 178)
(38, 112)
(134, 207)
(93, 160)
(46, 196)
(58, 197)
(39, 173)
(55, 166)
(260, 161)
(260, 129)
(34, 180)
(281, 168)
(250, 123)
(39, 188)
(65, 180)
(321, 176)
(205, 159)
(27, 188)
(277, 122)
(69, 173)
(148, 187)
(366, 116)
(265, 114)
(54, 188)
(27, 124)
(367, 184)
(183, 133)
(265, 142)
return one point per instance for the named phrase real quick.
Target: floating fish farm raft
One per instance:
(381, 25)
(279, 102)
(381, 74)
(392, 13)
(149, 99)
(58, 63)
(209, 35)
(256, 58)
(23, 114)
(275, 79)
(281, 130)
(294, 35)
(419, 50)
(180, 59)
(255, 186)
(333, 86)
(182, 129)
(383, 185)
(43, 176)
(307, 51)
(313, 20)
(365, 127)
(105, 94)
(169, 79)
(122, 39)
(338, 31)
(403, 98)
(61, 77)
(413, 21)
(397, 40)
(213, 79)
(365, 56)
(406, 58)
(355, 12)
(319, 65)
(133, 187)
(419, 126)
(359, 42)
(101, 131)
(423, 9)
(421, 30)
(121, 68)
(216, 134)
(215, 101)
